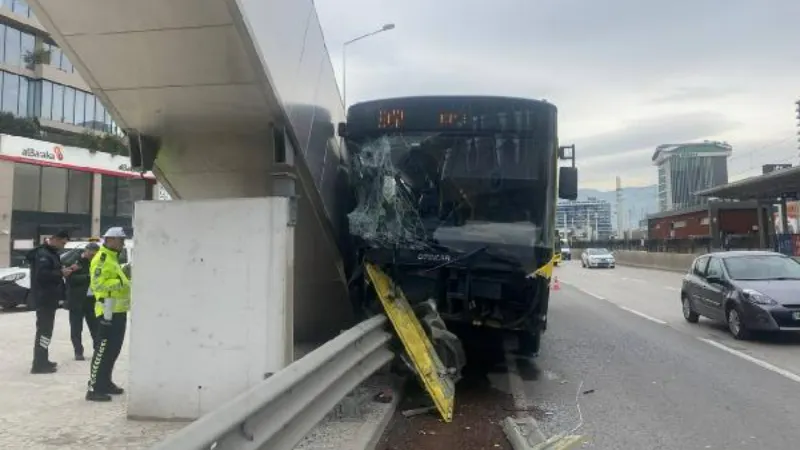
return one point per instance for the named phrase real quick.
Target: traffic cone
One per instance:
(556, 284)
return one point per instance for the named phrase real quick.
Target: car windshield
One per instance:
(597, 251)
(762, 267)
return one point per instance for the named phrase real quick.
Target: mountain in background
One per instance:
(637, 202)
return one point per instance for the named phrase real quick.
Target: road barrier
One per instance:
(674, 262)
(281, 410)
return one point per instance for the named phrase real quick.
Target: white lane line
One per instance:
(643, 315)
(783, 372)
(591, 294)
(638, 280)
(671, 288)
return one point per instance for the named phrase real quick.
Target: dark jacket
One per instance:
(78, 284)
(47, 282)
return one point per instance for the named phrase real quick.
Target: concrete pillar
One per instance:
(6, 205)
(762, 229)
(97, 202)
(784, 217)
(214, 303)
(713, 225)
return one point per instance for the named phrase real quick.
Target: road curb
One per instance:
(370, 434)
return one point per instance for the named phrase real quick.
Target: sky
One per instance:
(626, 75)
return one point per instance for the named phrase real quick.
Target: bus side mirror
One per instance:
(568, 183)
(341, 130)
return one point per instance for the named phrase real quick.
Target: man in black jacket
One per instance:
(80, 302)
(47, 290)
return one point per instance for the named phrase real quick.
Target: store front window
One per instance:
(119, 195)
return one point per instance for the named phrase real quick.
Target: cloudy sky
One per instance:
(626, 75)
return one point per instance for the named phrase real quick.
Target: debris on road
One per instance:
(418, 411)
(476, 425)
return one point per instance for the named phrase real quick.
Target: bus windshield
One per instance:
(449, 186)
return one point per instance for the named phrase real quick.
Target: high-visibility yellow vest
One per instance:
(108, 281)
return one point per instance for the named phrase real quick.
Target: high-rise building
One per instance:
(587, 219)
(684, 169)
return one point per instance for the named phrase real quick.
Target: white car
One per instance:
(598, 257)
(15, 282)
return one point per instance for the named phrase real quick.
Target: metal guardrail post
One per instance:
(277, 413)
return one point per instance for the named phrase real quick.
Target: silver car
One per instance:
(597, 257)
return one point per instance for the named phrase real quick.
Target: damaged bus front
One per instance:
(456, 200)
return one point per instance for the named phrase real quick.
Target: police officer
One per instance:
(111, 288)
(80, 301)
(47, 291)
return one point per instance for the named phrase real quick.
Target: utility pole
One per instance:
(387, 27)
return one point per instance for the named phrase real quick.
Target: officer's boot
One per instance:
(94, 396)
(41, 363)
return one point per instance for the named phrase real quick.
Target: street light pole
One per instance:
(387, 27)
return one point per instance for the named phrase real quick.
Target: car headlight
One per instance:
(12, 277)
(758, 298)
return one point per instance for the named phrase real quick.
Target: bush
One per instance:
(30, 128)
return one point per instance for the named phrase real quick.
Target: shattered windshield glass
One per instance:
(463, 191)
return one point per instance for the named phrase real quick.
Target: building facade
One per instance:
(45, 187)
(735, 218)
(684, 169)
(587, 219)
(38, 80)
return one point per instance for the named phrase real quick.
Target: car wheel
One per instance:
(735, 324)
(688, 312)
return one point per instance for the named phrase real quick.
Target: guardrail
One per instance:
(280, 411)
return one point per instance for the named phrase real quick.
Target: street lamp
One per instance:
(387, 27)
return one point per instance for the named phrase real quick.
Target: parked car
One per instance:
(15, 282)
(748, 290)
(598, 257)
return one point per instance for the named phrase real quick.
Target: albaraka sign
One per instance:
(31, 151)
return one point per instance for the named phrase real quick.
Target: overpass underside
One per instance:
(223, 83)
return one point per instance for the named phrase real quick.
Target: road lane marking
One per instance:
(638, 280)
(671, 288)
(643, 315)
(783, 372)
(591, 294)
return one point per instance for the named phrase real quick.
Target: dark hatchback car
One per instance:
(748, 290)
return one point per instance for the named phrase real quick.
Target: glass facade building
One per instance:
(38, 80)
(25, 94)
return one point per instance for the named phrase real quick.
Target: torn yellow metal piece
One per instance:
(546, 270)
(420, 350)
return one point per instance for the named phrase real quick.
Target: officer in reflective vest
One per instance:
(112, 291)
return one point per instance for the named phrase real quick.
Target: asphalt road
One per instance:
(644, 379)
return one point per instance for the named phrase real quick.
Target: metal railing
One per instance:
(281, 410)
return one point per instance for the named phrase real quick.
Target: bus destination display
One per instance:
(495, 115)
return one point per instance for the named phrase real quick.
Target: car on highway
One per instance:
(747, 290)
(598, 257)
(15, 282)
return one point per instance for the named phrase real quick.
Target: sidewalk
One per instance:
(49, 411)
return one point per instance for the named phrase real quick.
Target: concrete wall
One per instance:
(675, 262)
